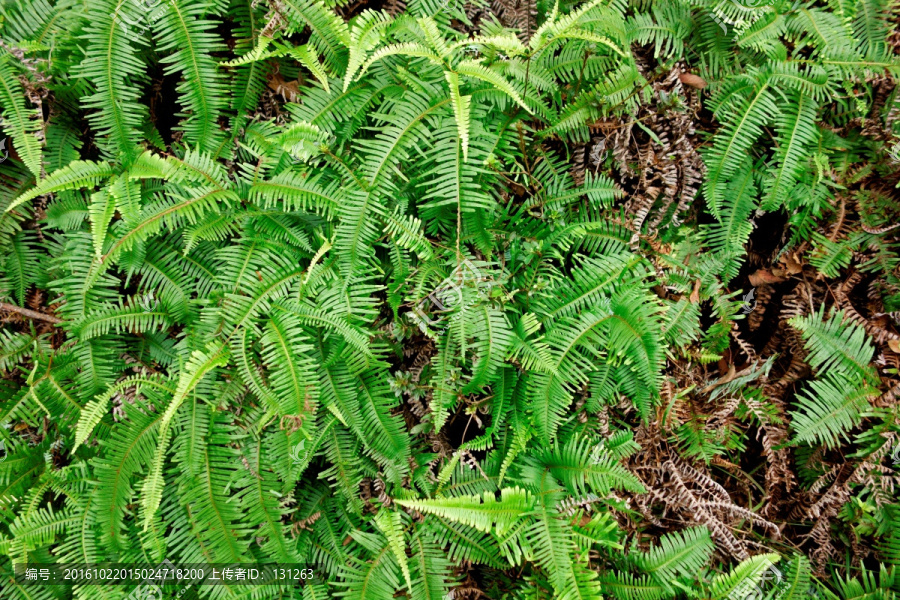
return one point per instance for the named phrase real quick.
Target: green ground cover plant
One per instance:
(453, 300)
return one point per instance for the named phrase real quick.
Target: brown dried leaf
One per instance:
(695, 295)
(764, 276)
(289, 90)
(791, 264)
(692, 80)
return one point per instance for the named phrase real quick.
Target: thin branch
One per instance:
(31, 314)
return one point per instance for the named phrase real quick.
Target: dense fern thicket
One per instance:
(444, 299)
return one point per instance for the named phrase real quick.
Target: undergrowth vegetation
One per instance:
(451, 300)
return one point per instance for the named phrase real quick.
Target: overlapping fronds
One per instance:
(452, 300)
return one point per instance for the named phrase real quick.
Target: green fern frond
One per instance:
(485, 513)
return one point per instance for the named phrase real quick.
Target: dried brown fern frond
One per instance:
(654, 154)
(394, 7)
(878, 333)
(763, 297)
(688, 494)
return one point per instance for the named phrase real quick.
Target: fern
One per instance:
(836, 346)
(184, 29)
(425, 296)
(16, 120)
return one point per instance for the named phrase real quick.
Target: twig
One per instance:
(728, 377)
(31, 314)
